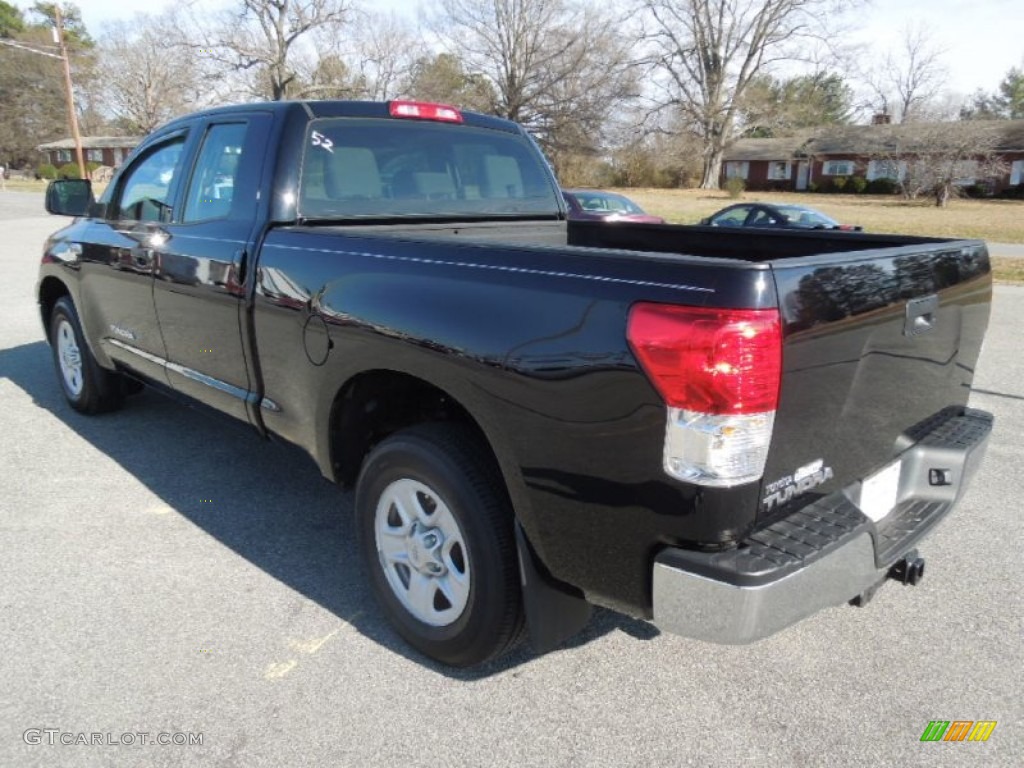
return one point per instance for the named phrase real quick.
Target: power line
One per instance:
(30, 49)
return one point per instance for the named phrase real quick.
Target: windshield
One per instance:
(385, 168)
(806, 217)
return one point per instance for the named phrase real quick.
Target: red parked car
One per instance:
(592, 205)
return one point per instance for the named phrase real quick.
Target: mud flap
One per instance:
(553, 614)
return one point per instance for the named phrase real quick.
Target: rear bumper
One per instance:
(824, 554)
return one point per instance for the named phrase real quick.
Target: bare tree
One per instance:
(385, 51)
(370, 57)
(658, 160)
(940, 160)
(907, 84)
(706, 53)
(148, 77)
(559, 67)
(267, 40)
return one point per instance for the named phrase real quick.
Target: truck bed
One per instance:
(708, 242)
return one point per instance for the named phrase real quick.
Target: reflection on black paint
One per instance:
(836, 292)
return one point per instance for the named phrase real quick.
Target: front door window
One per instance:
(147, 189)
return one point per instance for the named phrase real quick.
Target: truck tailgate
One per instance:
(875, 345)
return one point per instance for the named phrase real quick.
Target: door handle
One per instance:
(921, 315)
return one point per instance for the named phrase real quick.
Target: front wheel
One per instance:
(87, 387)
(435, 531)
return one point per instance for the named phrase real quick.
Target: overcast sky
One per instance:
(983, 38)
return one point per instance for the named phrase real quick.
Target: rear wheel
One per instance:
(87, 387)
(435, 531)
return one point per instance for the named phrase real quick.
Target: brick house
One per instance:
(105, 150)
(870, 151)
(768, 163)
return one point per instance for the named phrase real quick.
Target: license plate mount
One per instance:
(878, 492)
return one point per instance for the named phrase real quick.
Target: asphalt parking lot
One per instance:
(168, 573)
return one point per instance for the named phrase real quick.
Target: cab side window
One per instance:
(211, 190)
(147, 189)
(761, 218)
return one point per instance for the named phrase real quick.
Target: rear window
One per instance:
(377, 168)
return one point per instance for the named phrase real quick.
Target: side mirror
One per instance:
(705, 221)
(69, 197)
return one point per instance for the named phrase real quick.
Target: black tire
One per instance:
(449, 463)
(87, 387)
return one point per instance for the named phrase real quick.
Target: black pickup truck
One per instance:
(721, 431)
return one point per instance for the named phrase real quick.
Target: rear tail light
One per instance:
(718, 371)
(422, 110)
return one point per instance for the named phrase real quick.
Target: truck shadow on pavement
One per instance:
(264, 500)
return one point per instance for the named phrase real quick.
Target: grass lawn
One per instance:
(26, 185)
(1008, 270)
(33, 185)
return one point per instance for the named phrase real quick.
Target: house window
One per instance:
(965, 173)
(1017, 172)
(63, 156)
(778, 170)
(886, 169)
(837, 168)
(736, 169)
(94, 155)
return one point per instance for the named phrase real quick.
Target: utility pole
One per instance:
(58, 32)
